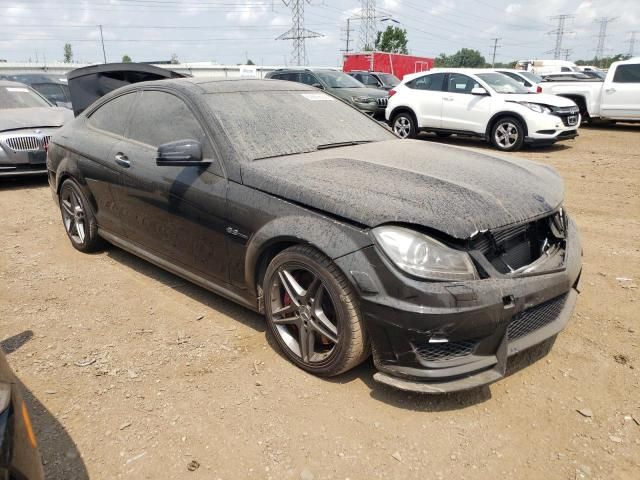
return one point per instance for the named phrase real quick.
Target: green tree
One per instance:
(126, 58)
(250, 62)
(392, 40)
(604, 62)
(68, 53)
(463, 58)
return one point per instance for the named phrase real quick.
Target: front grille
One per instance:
(441, 352)
(25, 144)
(382, 102)
(535, 318)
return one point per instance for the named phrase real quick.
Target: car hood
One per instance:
(359, 92)
(453, 190)
(18, 118)
(542, 98)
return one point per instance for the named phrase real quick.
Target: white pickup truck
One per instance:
(617, 98)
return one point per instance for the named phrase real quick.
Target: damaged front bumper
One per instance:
(439, 337)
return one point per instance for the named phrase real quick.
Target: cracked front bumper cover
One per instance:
(438, 337)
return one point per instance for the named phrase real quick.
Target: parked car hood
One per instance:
(17, 118)
(359, 92)
(542, 98)
(450, 189)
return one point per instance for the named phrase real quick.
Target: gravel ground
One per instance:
(134, 373)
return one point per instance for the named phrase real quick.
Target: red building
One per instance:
(395, 63)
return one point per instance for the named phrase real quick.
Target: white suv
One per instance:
(483, 104)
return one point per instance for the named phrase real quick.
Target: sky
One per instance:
(232, 31)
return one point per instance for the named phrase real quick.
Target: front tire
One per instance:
(312, 312)
(404, 125)
(507, 134)
(78, 219)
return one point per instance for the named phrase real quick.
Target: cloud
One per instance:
(247, 13)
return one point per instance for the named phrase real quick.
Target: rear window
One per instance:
(433, 82)
(20, 97)
(627, 74)
(269, 124)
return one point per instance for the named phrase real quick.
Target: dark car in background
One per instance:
(27, 121)
(349, 240)
(384, 81)
(52, 87)
(19, 457)
(371, 101)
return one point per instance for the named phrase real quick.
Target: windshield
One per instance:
(334, 79)
(532, 77)
(388, 79)
(502, 84)
(274, 123)
(20, 97)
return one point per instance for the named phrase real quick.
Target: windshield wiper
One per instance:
(342, 144)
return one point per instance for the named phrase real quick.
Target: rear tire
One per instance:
(312, 312)
(404, 125)
(78, 219)
(507, 134)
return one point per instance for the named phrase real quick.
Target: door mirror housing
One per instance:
(182, 153)
(479, 91)
(318, 85)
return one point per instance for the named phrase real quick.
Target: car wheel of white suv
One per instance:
(507, 134)
(404, 125)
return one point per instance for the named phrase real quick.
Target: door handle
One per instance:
(448, 99)
(122, 160)
(610, 90)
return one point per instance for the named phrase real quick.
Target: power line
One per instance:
(297, 32)
(495, 47)
(368, 29)
(604, 22)
(559, 32)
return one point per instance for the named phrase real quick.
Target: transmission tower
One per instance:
(559, 33)
(368, 26)
(632, 42)
(298, 33)
(604, 22)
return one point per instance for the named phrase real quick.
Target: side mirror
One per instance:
(182, 153)
(318, 85)
(479, 91)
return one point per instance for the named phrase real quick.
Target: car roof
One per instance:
(9, 83)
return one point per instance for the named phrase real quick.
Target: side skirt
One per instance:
(176, 270)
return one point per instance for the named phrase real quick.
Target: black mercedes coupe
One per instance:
(438, 261)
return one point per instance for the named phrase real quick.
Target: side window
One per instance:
(308, 79)
(276, 76)
(160, 117)
(357, 76)
(459, 83)
(517, 78)
(369, 80)
(627, 74)
(430, 82)
(112, 116)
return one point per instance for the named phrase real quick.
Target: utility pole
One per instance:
(566, 52)
(559, 32)
(632, 42)
(348, 31)
(104, 55)
(495, 47)
(297, 32)
(368, 27)
(604, 22)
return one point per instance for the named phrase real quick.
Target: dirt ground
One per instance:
(134, 373)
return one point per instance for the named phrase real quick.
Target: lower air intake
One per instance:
(536, 317)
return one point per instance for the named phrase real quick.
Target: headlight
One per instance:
(364, 99)
(536, 107)
(422, 256)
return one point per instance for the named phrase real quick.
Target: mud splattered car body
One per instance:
(440, 261)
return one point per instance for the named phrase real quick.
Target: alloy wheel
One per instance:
(402, 126)
(506, 135)
(304, 314)
(73, 215)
